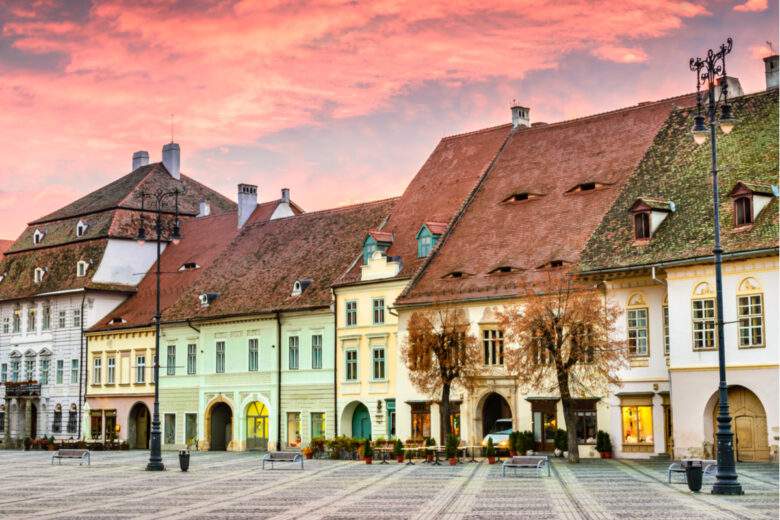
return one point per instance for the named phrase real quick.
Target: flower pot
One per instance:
(557, 452)
(606, 454)
(491, 460)
(453, 461)
(309, 456)
(399, 458)
(367, 460)
(184, 460)
(429, 457)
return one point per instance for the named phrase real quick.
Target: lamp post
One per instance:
(710, 71)
(158, 199)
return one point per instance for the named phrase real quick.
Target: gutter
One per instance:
(335, 364)
(278, 382)
(82, 373)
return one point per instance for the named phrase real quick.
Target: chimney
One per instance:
(247, 202)
(171, 159)
(520, 116)
(204, 209)
(286, 195)
(734, 88)
(140, 158)
(771, 69)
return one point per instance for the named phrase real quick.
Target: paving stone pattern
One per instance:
(232, 486)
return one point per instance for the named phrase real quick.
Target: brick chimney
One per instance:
(247, 202)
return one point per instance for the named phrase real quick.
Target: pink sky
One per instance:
(341, 101)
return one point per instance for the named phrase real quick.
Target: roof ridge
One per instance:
(473, 132)
(153, 168)
(334, 210)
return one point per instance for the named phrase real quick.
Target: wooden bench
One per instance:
(282, 456)
(526, 461)
(710, 467)
(82, 455)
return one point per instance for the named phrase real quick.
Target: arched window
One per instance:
(743, 211)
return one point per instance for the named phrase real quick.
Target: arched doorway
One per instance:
(33, 421)
(361, 422)
(257, 426)
(221, 431)
(748, 422)
(138, 427)
(494, 407)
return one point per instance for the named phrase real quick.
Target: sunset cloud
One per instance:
(85, 85)
(752, 6)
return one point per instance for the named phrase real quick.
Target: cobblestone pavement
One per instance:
(232, 486)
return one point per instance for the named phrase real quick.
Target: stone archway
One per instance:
(356, 420)
(139, 423)
(220, 427)
(748, 422)
(492, 407)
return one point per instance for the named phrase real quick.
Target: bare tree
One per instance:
(439, 353)
(562, 341)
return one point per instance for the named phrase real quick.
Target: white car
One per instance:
(500, 434)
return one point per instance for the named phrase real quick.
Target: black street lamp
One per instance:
(158, 198)
(711, 71)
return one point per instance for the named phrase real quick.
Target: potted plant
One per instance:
(28, 442)
(561, 442)
(604, 444)
(451, 449)
(308, 452)
(51, 443)
(398, 451)
(490, 451)
(368, 451)
(429, 442)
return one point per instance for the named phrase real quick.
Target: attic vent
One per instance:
(116, 320)
(207, 298)
(586, 186)
(189, 266)
(300, 285)
(504, 269)
(455, 274)
(520, 196)
(552, 264)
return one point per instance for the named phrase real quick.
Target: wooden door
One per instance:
(748, 424)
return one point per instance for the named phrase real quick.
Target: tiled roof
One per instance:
(526, 236)
(256, 272)
(4, 245)
(653, 203)
(437, 228)
(677, 169)
(756, 187)
(381, 236)
(437, 192)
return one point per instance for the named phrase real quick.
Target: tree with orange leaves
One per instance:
(562, 341)
(440, 353)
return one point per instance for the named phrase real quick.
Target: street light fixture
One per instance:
(158, 199)
(711, 71)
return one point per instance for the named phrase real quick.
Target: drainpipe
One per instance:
(82, 354)
(335, 364)
(278, 382)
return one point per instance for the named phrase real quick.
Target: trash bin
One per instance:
(184, 461)
(693, 474)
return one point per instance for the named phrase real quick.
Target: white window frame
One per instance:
(632, 315)
(382, 363)
(38, 237)
(667, 340)
(38, 274)
(74, 371)
(293, 353)
(170, 358)
(316, 351)
(111, 370)
(253, 351)
(97, 371)
(750, 317)
(701, 326)
(219, 357)
(81, 228)
(81, 268)
(192, 359)
(140, 369)
(59, 377)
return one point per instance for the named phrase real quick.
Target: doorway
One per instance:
(257, 427)
(545, 423)
(361, 422)
(494, 407)
(33, 421)
(221, 427)
(748, 424)
(139, 426)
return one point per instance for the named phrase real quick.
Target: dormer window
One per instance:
(455, 274)
(189, 266)
(427, 236)
(376, 241)
(586, 186)
(81, 268)
(504, 269)
(647, 214)
(642, 225)
(750, 198)
(552, 264)
(520, 196)
(38, 274)
(300, 285)
(117, 320)
(81, 228)
(38, 237)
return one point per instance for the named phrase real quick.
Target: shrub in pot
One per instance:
(451, 449)
(429, 442)
(604, 444)
(490, 451)
(514, 443)
(561, 440)
(368, 451)
(398, 451)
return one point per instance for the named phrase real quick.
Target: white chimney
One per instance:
(734, 88)
(204, 209)
(286, 195)
(140, 158)
(247, 202)
(771, 69)
(520, 116)
(171, 158)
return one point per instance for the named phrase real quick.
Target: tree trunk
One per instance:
(444, 413)
(568, 415)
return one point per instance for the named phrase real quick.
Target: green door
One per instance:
(361, 422)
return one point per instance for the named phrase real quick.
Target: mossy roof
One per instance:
(676, 169)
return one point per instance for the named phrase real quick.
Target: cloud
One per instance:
(620, 54)
(752, 6)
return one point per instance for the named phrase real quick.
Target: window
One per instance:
(61, 319)
(293, 429)
(750, 311)
(4, 373)
(2, 420)
(170, 428)
(493, 346)
(585, 421)
(56, 424)
(192, 357)
(351, 310)
(95, 424)
(421, 420)
(111, 370)
(109, 425)
(220, 361)
(642, 225)
(170, 368)
(60, 371)
(29, 369)
(637, 424)
(15, 371)
(72, 421)
(190, 428)
(665, 310)
(743, 212)
(378, 354)
(77, 317)
(38, 275)
(424, 246)
(317, 424)
(31, 312)
(351, 370)
(37, 237)
(6, 325)
(46, 317)
(140, 369)
(189, 266)
(316, 351)
(96, 371)
(17, 319)
(293, 353)
(81, 228)
(43, 378)
(637, 332)
(254, 355)
(583, 338)
(74, 371)
(703, 324)
(81, 268)
(379, 311)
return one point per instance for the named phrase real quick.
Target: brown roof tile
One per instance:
(527, 235)
(4, 245)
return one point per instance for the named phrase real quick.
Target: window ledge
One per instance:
(710, 349)
(750, 347)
